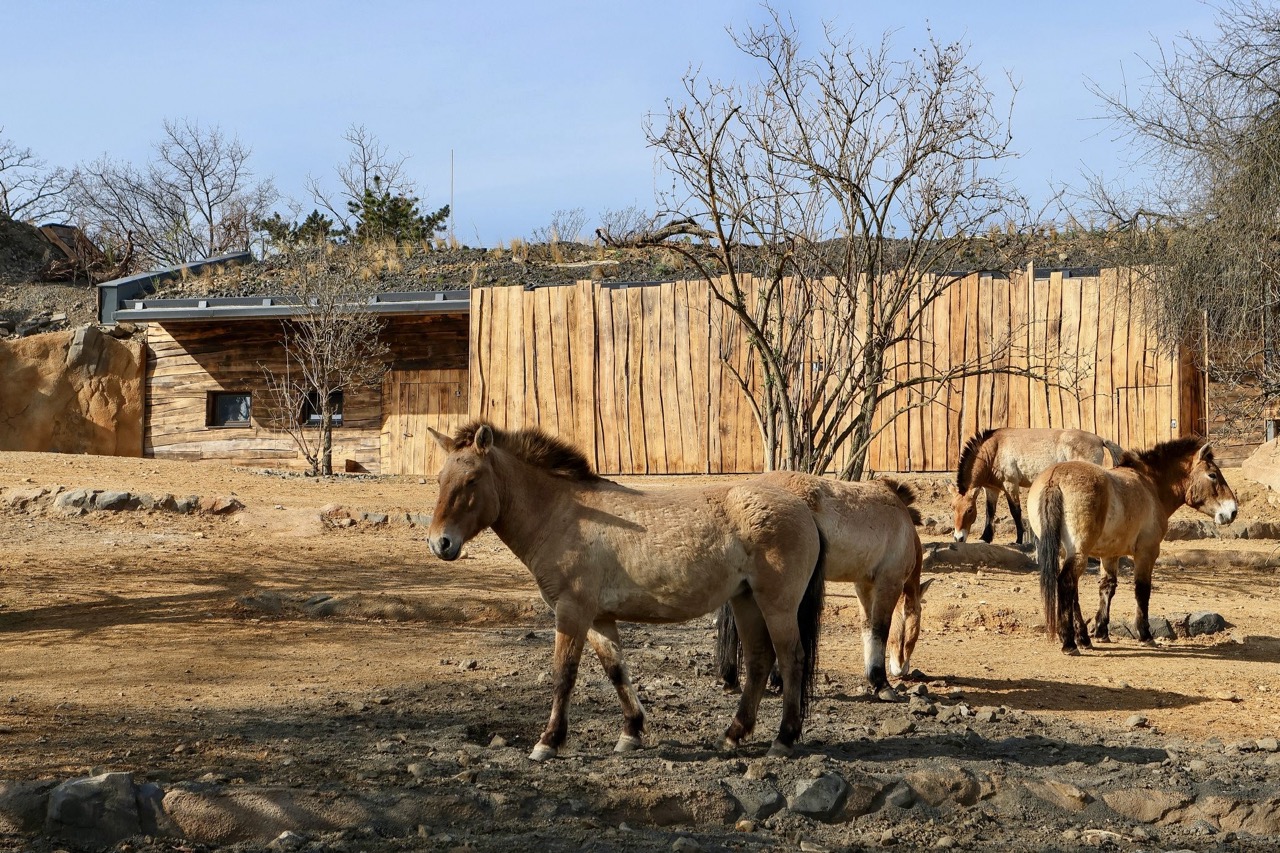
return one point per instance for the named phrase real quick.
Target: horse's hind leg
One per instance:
(989, 531)
(757, 660)
(1143, 563)
(571, 635)
(877, 607)
(1069, 602)
(603, 637)
(1106, 592)
(1013, 494)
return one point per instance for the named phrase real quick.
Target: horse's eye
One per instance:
(1213, 478)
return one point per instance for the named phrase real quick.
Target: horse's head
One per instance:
(1207, 490)
(966, 510)
(468, 501)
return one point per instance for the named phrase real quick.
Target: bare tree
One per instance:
(369, 163)
(195, 199)
(1205, 219)
(29, 189)
(849, 184)
(332, 349)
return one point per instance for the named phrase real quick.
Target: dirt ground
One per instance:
(268, 649)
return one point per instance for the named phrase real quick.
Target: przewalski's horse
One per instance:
(869, 530)
(1008, 460)
(1086, 511)
(601, 552)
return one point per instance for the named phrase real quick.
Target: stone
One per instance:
(288, 841)
(1145, 806)
(220, 505)
(685, 844)
(1180, 529)
(864, 797)
(374, 517)
(1267, 744)
(1137, 721)
(901, 796)
(95, 811)
(745, 825)
(1061, 794)
(498, 742)
(820, 798)
(113, 501)
(1205, 622)
(896, 727)
(1261, 530)
(420, 519)
(757, 798)
(1123, 630)
(756, 770)
(922, 706)
(24, 499)
(76, 499)
(1161, 629)
(23, 805)
(936, 786)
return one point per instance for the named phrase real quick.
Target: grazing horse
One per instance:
(1087, 511)
(1008, 460)
(869, 530)
(601, 552)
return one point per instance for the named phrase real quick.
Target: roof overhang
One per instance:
(277, 308)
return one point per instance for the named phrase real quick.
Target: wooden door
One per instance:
(414, 403)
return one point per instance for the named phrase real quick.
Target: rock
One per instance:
(220, 505)
(1228, 696)
(1267, 744)
(374, 517)
(888, 838)
(1061, 794)
(1205, 622)
(24, 499)
(944, 842)
(112, 501)
(1137, 721)
(922, 706)
(901, 796)
(685, 844)
(76, 499)
(1123, 630)
(96, 811)
(756, 770)
(1261, 530)
(896, 727)
(936, 786)
(745, 825)
(288, 841)
(864, 795)
(987, 715)
(123, 330)
(1180, 529)
(23, 805)
(420, 519)
(820, 798)
(1145, 806)
(1263, 465)
(757, 799)
(1161, 629)
(498, 742)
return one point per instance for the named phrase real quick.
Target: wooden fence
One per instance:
(643, 377)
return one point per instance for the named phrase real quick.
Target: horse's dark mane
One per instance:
(968, 456)
(541, 450)
(907, 496)
(1162, 455)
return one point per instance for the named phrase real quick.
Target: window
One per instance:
(228, 409)
(311, 407)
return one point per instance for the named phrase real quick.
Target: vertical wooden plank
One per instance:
(612, 422)
(499, 373)
(699, 370)
(640, 452)
(1104, 390)
(1072, 308)
(529, 412)
(1001, 329)
(1053, 348)
(716, 394)
(664, 370)
(1087, 353)
(970, 423)
(1120, 366)
(547, 402)
(584, 373)
(693, 459)
(652, 356)
(478, 349)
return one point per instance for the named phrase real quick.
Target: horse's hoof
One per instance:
(896, 670)
(1071, 650)
(888, 694)
(542, 752)
(780, 750)
(628, 743)
(729, 745)
(1151, 644)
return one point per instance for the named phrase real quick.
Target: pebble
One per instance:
(946, 842)
(756, 771)
(888, 838)
(813, 847)
(1268, 744)
(1137, 721)
(685, 844)
(417, 770)
(1197, 765)
(896, 727)
(1229, 697)
(745, 825)
(1070, 834)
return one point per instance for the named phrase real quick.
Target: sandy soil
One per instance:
(175, 647)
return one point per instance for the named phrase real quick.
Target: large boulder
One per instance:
(72, 392)
(1263, 465)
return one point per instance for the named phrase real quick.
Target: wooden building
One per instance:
(642, 376)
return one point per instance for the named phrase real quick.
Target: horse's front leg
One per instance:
(989, 531)
(878, 604)
(1106, 592)
(1143, 563)
(571, 635)
(1013, 494)
(603, 637)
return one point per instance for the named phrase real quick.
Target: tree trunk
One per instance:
(326, 438)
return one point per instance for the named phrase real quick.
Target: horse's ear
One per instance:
(484, 438)
(1205, 453)
(953, 489)
(446, 443)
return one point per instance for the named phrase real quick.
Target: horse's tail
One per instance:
(728, 647)
(1115, 450)
(1051, 517)
(809, 617)
(907, 496)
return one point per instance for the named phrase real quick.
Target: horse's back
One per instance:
(1022, 455)
(866, 525)
(1104, 510)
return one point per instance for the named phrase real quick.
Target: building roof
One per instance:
(273, 307)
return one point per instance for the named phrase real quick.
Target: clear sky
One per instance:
(541, 103)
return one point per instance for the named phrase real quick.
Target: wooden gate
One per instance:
(415, 401)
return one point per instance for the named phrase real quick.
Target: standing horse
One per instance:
(1008, 460)
(1088, 511)
(869, 530)
(601, 552)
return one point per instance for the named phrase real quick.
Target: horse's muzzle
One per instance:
(445, 547)
(1226, 513)
(960, 535)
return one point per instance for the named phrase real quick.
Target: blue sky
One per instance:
(541, 104)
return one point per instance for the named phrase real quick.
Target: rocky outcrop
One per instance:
(79, 391)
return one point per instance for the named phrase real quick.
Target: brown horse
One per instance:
(1087, 511)
(601, 552)
(1008, 460)
(869, 530)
